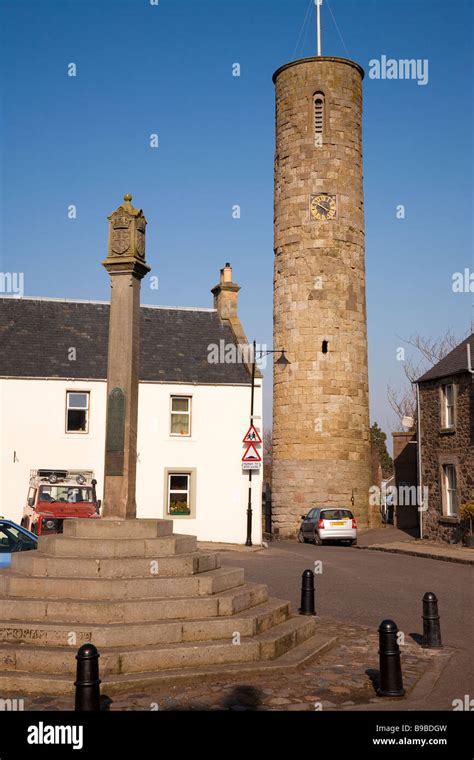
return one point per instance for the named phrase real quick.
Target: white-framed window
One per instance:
(77, 411)
(448, 402)
(450, 490)
(180, 416)
(318, 116)
(179, 494)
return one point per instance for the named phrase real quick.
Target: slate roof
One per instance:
(454, 363)
(36, 334)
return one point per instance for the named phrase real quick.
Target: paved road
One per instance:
(367, 586)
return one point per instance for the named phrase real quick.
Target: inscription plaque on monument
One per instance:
(115, 439)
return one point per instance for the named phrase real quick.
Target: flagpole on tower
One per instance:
(318, 4)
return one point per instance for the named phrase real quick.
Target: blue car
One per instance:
(14, 538)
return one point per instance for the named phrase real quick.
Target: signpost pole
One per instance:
(249, 505)
(251, 459)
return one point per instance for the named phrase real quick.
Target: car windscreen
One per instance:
(70, 494)
(336, 514)
(12, 539)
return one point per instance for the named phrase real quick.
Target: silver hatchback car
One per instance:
(328, 523)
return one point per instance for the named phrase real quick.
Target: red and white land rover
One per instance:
(55, 496)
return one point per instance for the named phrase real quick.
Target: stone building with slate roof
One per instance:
(446, 394)
(193, 409)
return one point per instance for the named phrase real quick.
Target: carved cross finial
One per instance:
(127, 240)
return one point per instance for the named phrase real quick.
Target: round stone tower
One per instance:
(321, 448)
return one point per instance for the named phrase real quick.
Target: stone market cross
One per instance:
(126, 265)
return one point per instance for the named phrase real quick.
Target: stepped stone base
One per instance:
(157, 609)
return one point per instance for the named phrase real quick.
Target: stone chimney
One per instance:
(225, 294)
(225, 302)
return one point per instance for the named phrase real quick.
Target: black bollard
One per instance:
(307, 594)
(431, 627)
(391, 680)
(87, 681)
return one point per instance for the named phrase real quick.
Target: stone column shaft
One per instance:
(126, 265)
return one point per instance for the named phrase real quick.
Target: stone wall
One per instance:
(447, 447)
(321, 439)
(406, 474)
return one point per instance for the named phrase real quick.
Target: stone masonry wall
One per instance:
(445, 447)
(321, 440)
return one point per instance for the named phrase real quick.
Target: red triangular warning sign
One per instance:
(251, 454)
(252, 435)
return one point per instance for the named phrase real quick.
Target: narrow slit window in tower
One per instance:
(325, 347)
(318, 118)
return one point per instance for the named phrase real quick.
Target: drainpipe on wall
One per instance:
(418, 437)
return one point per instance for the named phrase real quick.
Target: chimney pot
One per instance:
(226, 273)
(225, 294)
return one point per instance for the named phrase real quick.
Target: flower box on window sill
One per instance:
(180, 514)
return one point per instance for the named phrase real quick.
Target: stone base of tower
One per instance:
(298, 485)
(156, 607)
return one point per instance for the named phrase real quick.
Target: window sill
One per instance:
(449, 519)
(447, 431)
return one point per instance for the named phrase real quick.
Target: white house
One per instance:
(194, 407)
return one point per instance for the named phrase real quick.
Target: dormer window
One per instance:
(318, 110)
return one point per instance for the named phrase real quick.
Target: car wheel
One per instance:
(353, 542)
(317, 541)
(301, 538)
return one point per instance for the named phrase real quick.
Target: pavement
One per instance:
(384, 539)
(390, 539)
(215, 546)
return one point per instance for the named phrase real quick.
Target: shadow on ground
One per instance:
(241, 698)
(374, 676)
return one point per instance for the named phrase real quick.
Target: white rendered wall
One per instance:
(32, 427)
(32, 431)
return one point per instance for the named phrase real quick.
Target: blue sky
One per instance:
(167, 69)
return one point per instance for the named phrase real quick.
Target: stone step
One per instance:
(209, 582)
(37, 564)
(32, 610)
(117, 661)
(103, 548)
(35, 684)
(281, 638)
(234, 601)
(255, 620)
(124, 529)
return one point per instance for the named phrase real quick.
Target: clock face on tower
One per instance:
(322, 207)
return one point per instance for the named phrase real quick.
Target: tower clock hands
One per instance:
(324, 207)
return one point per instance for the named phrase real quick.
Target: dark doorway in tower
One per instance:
(325, 347)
